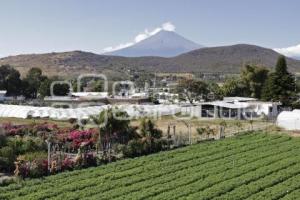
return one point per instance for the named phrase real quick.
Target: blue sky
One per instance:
(36, 26)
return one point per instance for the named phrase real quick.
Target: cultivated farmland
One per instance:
(252, 166)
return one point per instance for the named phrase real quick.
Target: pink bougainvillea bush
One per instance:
(31, 129)
(66, 135)
(12, 130)
(26, 147)
(82, 138)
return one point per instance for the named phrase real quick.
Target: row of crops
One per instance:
(252, 166)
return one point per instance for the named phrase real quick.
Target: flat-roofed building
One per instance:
(233, 108)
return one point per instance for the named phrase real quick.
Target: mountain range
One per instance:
(176, 54)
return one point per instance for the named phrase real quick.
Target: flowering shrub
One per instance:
(83, 138)
(26, 166)
(26, 145)
(67, 164)
(12, 130)
(74, 149)
(45, 127)
(62, 136)
(33, 169)
(33, 129)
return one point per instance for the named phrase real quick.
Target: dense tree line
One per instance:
(33, 85)
(254, 81)
(10, 80)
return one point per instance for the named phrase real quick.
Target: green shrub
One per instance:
(7, 158)
(3, 140)
(22, 145)
(31, 156)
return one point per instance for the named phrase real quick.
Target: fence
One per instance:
(185, 139)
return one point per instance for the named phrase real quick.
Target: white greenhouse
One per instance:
(134, 111)
(289, 120)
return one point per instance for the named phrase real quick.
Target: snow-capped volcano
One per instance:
(163, 44)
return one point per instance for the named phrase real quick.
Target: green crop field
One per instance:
(252, 166)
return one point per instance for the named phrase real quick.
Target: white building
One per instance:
(139, 95)
(256, 108)
(90, 94)
(233, 108)
(166, 97)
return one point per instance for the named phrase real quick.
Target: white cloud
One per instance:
(293, 51)
(120, 46)
(168, 26)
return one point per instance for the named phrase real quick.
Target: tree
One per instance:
(32, 82)
(150, 135)
(10, 80)
(60, 89)
(44, 89)
(215, 91)
(235, 87)
(254, 78)
(280, 85)
(114, 126)
(97, 86)
(148, 129)
(192, 89)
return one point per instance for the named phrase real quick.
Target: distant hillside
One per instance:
(227, 59)
(232, 58)
(63, 64)
(163, 44)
